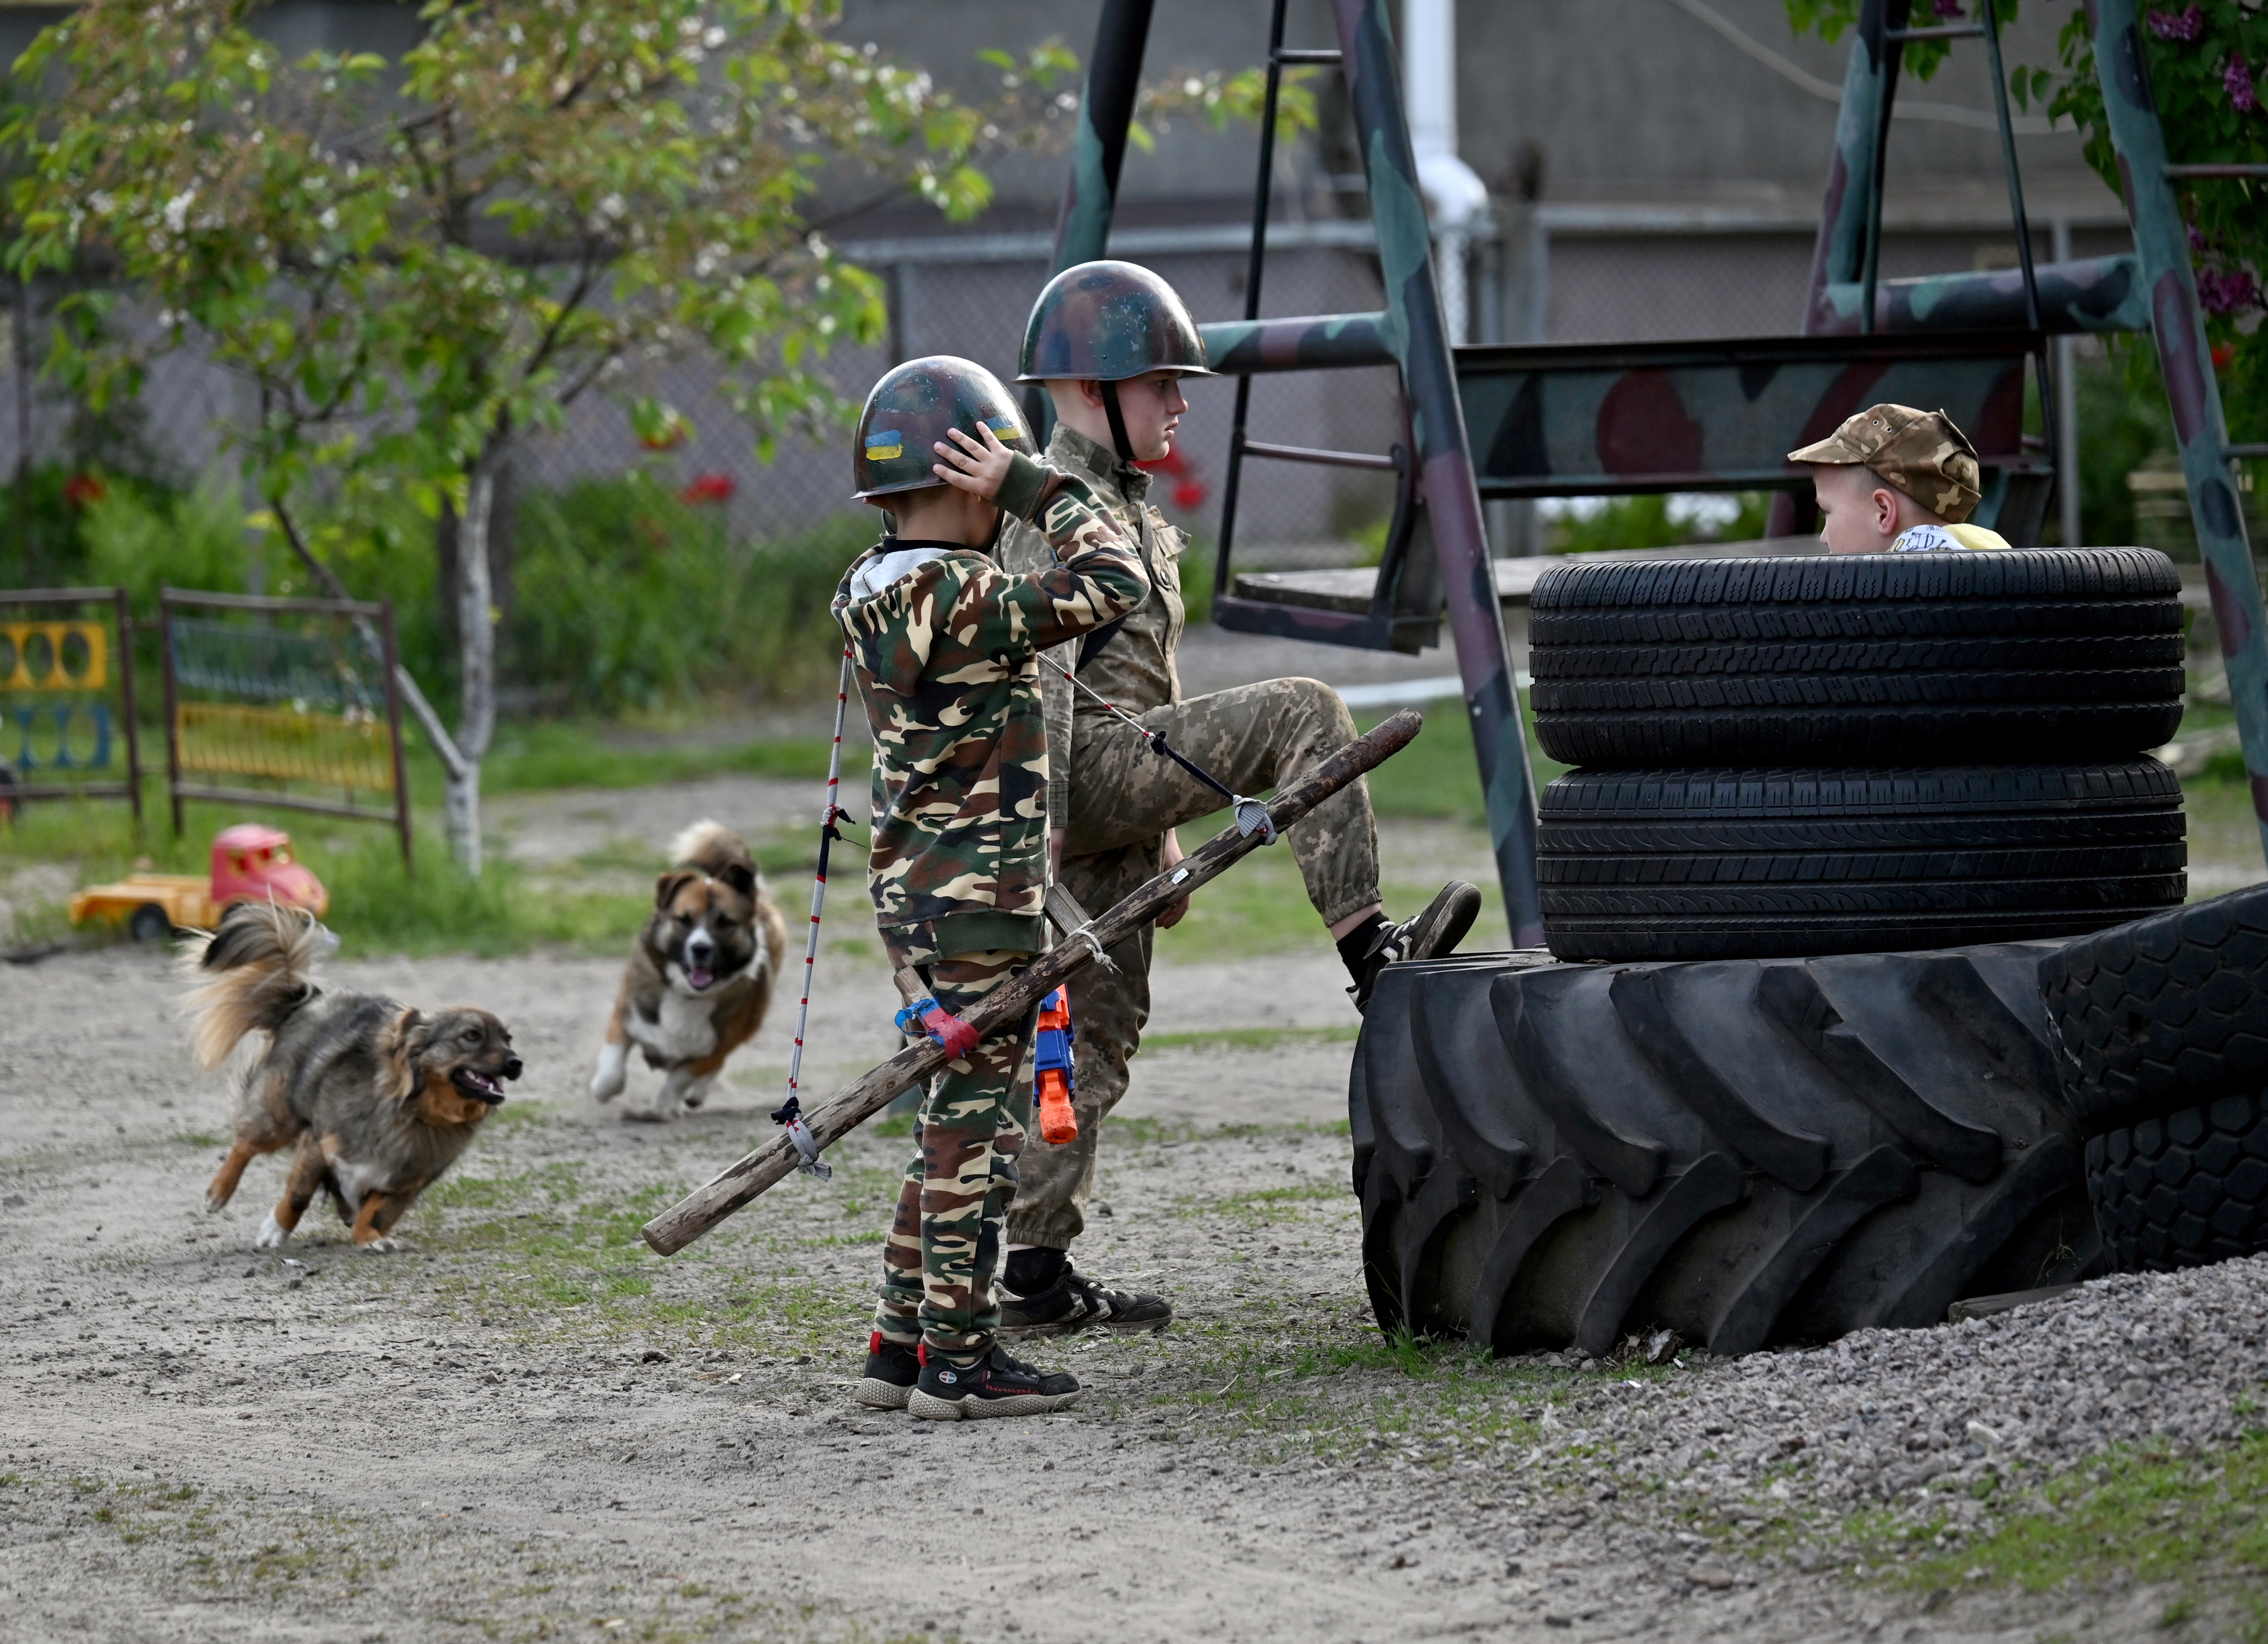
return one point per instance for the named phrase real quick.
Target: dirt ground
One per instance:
(528, 1426)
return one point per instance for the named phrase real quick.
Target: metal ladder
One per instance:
(1438, 492)
(1433, 469)
(2153, 289)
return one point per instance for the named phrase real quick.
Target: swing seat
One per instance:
(1631, 419)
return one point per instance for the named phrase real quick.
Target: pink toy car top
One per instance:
(252, 861)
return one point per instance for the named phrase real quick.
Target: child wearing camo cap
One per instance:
(1893, 479)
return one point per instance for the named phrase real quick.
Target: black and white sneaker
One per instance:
(1074, 1302)
(892, 1369)
(995, 1385)
(1427, 936)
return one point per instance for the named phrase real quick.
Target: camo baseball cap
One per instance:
(1920, 453)
(908, 412)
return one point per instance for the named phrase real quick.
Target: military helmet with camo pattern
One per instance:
(1108, 321)
(908, 412)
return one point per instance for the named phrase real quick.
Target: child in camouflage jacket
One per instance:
(945, 645)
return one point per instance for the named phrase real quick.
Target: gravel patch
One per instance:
(1908, 1418)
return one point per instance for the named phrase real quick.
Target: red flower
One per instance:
(83, 489)
(2222, 356)
(1191, 492)
(709, 487)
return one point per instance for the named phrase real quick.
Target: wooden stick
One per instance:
(862, 1098)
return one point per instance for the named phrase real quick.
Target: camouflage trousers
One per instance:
(944, 1243)
(1123, 798)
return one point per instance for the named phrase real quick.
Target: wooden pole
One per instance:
(862, 1098)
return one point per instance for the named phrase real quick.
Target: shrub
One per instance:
(625, 596)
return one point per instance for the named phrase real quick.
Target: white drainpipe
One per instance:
(1456, 200)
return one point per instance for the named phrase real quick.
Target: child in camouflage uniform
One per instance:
(1110, 341)
(945, 648)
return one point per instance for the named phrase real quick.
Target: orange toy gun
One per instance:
(1051, 1075)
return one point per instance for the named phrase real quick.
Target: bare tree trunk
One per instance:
(475, 667)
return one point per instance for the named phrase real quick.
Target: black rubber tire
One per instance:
(2184, 1190)
(1747, 1152)
(2164, 1013)
(1860, 659)
(1746, 865)
(149, 923)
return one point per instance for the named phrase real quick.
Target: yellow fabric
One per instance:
(1977, 537)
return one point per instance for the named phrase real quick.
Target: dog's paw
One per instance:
(215, 1204)
(381, 1247)
(273, 1235)
(612, 1073)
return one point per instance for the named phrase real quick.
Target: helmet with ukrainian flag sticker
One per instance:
(1108, 322)
(908, 412)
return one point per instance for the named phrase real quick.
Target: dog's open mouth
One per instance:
(479, 1085)
(699, 977)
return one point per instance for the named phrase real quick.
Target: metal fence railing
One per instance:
(1548, 273)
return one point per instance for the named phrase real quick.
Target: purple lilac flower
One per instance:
(2198, 244)
(2238, 79)
(1948, 8)
(2221, 294)
(2188, 24)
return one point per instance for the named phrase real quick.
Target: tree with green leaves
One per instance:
(2208, 61)
(416, 262)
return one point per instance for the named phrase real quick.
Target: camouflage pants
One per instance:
(944, 1243)
(1123, 798)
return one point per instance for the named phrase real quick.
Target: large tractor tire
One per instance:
(2164, 1029)
(1862, 659)
(1746, 1151)
(1749, 865)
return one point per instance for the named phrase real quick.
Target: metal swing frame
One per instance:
(1959, 340)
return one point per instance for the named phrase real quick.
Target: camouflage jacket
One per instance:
(1135, 669)
(945, 643)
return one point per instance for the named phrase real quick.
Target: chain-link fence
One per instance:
(1552, 274)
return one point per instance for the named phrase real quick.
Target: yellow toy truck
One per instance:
(250, 864)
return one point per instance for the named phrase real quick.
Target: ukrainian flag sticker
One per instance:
(884, 444)
(1005, 427)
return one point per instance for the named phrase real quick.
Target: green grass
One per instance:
(2196, 1522)
(1297, 1385)
(1252, 1038)
(377, 906)
(549, 754)
(1439, 774)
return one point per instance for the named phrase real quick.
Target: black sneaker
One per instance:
(1076, 1302)
(1430, 934)
(995, 1385)
(892, 1369)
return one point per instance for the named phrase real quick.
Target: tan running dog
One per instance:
(700, 975)
(376, 1099)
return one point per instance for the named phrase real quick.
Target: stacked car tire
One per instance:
(1831, 818)
(1839, 755)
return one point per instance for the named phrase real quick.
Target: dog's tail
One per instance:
(712, 847)
(251, 974)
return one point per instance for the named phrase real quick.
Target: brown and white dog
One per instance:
(376, 1099)
(701, 973)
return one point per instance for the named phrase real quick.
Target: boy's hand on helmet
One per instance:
(974, 465)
